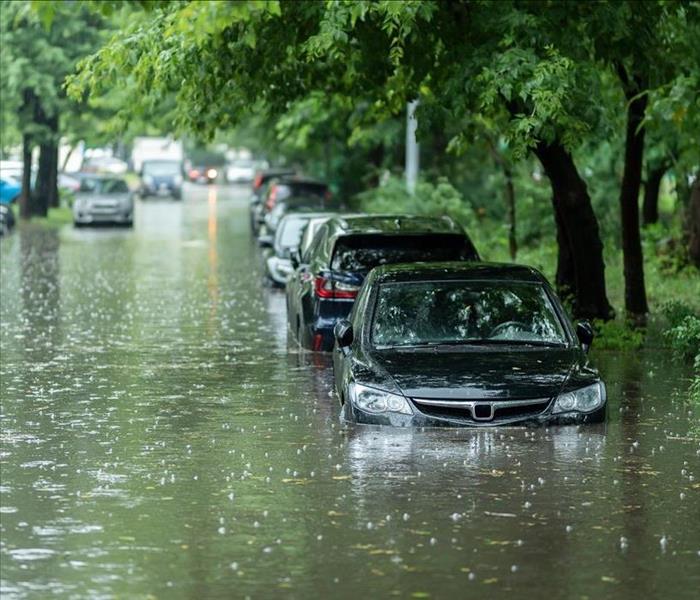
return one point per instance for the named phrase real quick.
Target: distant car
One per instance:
(203, 174)
(278, 264)
(10, 189)
(7, 219)
(103, 200)
(240, 171)
(282, 189)
(260, 184)
(328, 275)
(105, 164)
(161, 178)
(463, 344)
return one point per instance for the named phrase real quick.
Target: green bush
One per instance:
(685, 338)
(438, 199)
(617, 335)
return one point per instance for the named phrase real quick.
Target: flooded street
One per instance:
(160, 439)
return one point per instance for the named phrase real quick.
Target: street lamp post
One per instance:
(412, 154)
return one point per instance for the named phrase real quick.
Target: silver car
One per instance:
(103, 200)
(278, 264)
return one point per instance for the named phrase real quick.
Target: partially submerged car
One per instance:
(328, 275)
(278, 263)
(463, 344)
(103, 200)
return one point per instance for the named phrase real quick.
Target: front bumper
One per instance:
(86, 217)
(353, 414)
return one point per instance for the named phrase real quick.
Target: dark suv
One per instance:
(327, 277)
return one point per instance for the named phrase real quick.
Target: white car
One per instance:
(242, 171)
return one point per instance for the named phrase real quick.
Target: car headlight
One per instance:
(585, 399)
(378, 401)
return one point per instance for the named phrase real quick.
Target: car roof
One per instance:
(393, 224)
(446, 271)
(307, 216)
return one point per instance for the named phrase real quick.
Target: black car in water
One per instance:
(327, 277)
(161, 177)
(463, 344)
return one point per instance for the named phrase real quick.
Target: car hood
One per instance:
(481, 373)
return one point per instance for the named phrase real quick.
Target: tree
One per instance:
(35, 62)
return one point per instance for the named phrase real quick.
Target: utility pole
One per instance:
(412, 154)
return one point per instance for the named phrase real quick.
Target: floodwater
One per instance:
(160, 439)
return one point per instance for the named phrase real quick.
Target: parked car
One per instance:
(296, 204)
(103, 200)
(278, 264)
(241, 170)
(284, 188)
(328, 276)
(260, 184)
(7, 219)
(161, 177)
(203, 174)
(67, 182)
(10, 189)
(463, 344)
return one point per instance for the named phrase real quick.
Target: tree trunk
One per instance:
(633, 260)
(43, 179)
(650, 209)
(693, 223)
(566, 274)
(25, 199)
(510, 212)
(577, 232)
(54, 197)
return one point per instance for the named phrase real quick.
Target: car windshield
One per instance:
(290, 232)
(159, 168)
(104, 186)
(465, 312)
(364, 252)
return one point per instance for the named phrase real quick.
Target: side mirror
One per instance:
(584, 332)
(295, 258)
(265, 241)
(343, 333)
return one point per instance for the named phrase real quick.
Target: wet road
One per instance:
(160, 439)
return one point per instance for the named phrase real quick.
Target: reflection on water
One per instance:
(160, 438)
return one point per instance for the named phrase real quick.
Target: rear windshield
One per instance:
(364, 252)
(290, 232)
(298, 188)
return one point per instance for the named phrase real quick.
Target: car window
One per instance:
(459, 312)
(89, 184)
(114, 186)
(290, 231)
(161, 168)
(364, 252)
(318, 241)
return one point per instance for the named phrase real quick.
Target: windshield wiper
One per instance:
(479, 342)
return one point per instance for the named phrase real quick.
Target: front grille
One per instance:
(479, 411)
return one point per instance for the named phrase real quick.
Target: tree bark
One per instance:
(650, 208)
(633, 259)
(25, 199)
(510, 212)
(566, 274)
(47, 175)
(581, 250)
(693, 223)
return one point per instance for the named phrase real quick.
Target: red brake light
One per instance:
(326, 288)
(257, 182)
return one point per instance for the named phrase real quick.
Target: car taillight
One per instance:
(271, 198)
(327, 288)
(257, 182)
(194, 173)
